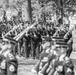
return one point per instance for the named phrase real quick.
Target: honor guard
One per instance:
(46, 56)
(8, 62)
(63, 64)
(58, 63)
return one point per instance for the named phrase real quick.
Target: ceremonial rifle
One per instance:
(57, 31)
(20, 35)
(13, 29)
(65, 36)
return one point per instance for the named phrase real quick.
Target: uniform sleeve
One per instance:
(69, 68)
(12, 65)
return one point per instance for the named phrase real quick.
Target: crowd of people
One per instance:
(31, 42)
(49, 40)
(54, 60)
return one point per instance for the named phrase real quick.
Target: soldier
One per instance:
(51, 55)
(25, 45)
(20, 43)
(45, 57)
(38, 43)
(70, 49)
(33, 41)
(62, 64)
(8, 62)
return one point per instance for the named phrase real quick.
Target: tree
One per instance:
(27, 11)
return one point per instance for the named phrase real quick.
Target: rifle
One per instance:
(65, 36)
(20, 35)
(54, 35)
(70, 41)
(14, 28)
(36, 68)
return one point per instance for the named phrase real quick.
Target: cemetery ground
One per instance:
(25, 65)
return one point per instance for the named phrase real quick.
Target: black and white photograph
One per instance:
(37, 37)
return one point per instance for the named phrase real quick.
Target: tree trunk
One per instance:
(27, 11)
(61, 10)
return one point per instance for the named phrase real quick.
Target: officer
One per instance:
(8, 62)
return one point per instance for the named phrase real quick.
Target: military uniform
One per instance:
(8, 64)
(8, 61)
(45, 58)
(25, 45)
(38, 43)
(20, 43)
(62, 64)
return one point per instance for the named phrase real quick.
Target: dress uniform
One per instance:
(45, 57)
(25, 45)
(62, 64)
(38, 43)
(33, 43)
(8, 62)
(50, 58)
(20, 43)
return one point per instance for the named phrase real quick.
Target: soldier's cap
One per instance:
(62, 44)
(57, 38)
(10, 40)
(47, 38)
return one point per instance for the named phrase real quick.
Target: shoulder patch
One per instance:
(11, 68)
(10, 55)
